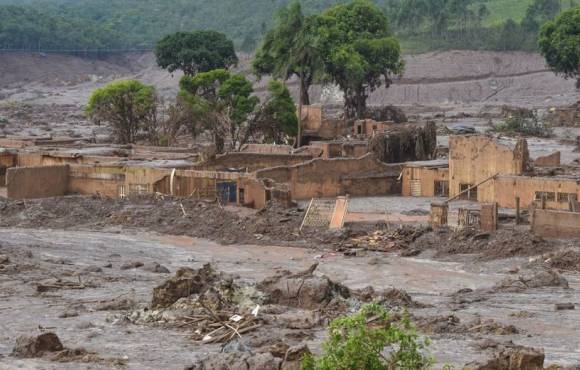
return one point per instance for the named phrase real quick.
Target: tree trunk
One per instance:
(219, 142)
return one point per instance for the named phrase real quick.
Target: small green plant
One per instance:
(530, 126)
(370, 340)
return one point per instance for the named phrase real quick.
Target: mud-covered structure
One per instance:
(409, 142)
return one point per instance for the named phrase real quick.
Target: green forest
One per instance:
(420, 25)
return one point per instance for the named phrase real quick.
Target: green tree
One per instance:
(220, 102)
(276, 119)
(128, 106)
(359, 52)
(559, 42)
(539, 12)
(359, 342)
(197, 51)
(289, 49)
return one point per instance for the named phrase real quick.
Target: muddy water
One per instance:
(22, 311)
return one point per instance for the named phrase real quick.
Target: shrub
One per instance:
(370, 340)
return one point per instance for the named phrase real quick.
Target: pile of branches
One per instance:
(219, 327)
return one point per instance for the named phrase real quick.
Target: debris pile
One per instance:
(387, 240)
(545, 278)
(512, 357)
(385, 113)
(451, 324)
(302, 289)
(405, 143)
(48, 345)
(499, 245)
(564, 260)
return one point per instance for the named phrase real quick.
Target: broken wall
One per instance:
(505, 189)
(557, 224)
(7, 160)
(549, 160)
(251, 161)
(405, 143)
(105, 180)
(474, 158)
(340, 176)
(420, 181)
(36, 182)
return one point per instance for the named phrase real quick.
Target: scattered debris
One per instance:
(303, 289)
(564, 260)
(564, 306)
(37, 346)
(512, 357)
(238, 360)
(116, 304)
(185, 283)
(131, 265)
(546, 278)
(155, 268)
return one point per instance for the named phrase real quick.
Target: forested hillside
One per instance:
(137, 24)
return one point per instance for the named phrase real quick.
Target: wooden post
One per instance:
(517, 210)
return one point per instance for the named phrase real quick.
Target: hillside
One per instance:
(138, 24)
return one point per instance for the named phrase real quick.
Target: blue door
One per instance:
(227, 192)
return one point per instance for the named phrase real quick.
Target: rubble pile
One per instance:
(489, 246)
(48, 345)
(545, 278)
(565, 260)
(512, 357)
(386, 240)
(451, 324)
(302, 290)
(385, 113)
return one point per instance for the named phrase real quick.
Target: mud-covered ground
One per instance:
(87, 273)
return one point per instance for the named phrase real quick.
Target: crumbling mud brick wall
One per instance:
(425, 181)
(549, 160)
(48, 159)
(311, 117)
(186, 183)
(405, 143)
(37, 182)
(267, 149)
(105, 180)
(474, 158)
(7, 160)
(488, 217)
(339, 176)
(505, 189)
(341, 149)
(252, 193)
(368, 126)
(251, 161)
(557, 224)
